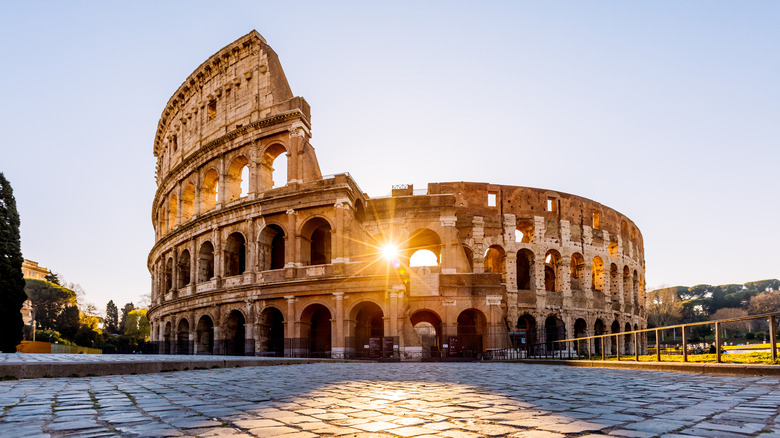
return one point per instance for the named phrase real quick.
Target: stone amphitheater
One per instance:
(258, 253)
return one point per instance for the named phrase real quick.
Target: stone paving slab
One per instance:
(393, 400)
(28, 366)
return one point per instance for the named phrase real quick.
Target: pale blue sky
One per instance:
(668, 112)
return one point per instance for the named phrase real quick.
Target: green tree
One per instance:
(48, 300)
(11, 278)
(68, 322)
(51, 277)
(112, 317)
(763, 285)
(129, 307)
(137, 325)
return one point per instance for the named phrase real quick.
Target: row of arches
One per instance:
(312, 334)
(205, 189)
(576, 272)
(527, 336)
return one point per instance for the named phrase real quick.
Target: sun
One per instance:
(389, 251)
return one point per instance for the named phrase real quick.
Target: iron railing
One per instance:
(598, 345)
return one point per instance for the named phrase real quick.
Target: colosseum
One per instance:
(258, 253)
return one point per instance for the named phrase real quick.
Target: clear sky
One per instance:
(666, 111)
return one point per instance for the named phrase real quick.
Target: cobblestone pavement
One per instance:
(393, 400)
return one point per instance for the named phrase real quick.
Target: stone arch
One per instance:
(368, 320)
(272, 247)
(472, 327)
(183, 344)
(613, 249)
(525, 269)
(235, 254)
(423, 239)
(167, 339)
(626, 285)
(554, 330)
(208, 189)
(597, 273)
(316, 330)
(316, 233)
(205, 262)
(599, 329)
(635, 288)
(184, 269)
(614, 282)
(525, 228)
(236, 173)
(168, 274)
(188, 202)
(581, 331)
(274, 158)
(469, 257)
(553, 281)
(173, 206)
(627, 339)
(427, 326)
(204, 335)
(577, 271)
(614, 341)
(526, 332)
(234, 334)
(495, 261)
(271, 332)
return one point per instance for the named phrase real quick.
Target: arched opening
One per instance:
(235, 255)
(469, 257)
(427, 326)
(577, 271)
(317, 233)
(208, 190)
(613, 341)
(272, 333)
(597, 273)
(205, 262)
(471, 329)
(423, 239)
(183, 344)
(173, 206)
(525, 268)
(495, 261)
(162, 219)
(626, 285)
(237, 178)
(188, 202)
(271, 248)
(235, 334)
(369, 331)
(614, 282)
(613, 249)
(423, 257)
(274, 167)
(524, 337)
(554, 330)
(204, 336)
(627, 340)
(580, 331)
(169, 274)
(184, 269)
(599, 329)
(635, 288)
(316, 330)
(524, 230)
(552, 261)
(167, 347)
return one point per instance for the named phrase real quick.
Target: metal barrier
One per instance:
(597, 345)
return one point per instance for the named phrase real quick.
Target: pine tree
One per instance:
(12, 294)
(129, 307)
(112, 317)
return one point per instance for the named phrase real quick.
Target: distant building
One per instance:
(30, 269)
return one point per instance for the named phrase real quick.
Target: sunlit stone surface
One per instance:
(394, 399)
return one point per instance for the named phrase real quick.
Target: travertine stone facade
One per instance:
(258, 253)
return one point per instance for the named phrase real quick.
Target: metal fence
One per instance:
(632, 342)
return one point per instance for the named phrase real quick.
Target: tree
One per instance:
(728, 313)
(137, 325)
(12, 294)
(48, 300)
(129, 307)
(68, 322)
(663, 308)
(765, 302)
(51, 277)
(763, 285)
(112, 317)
